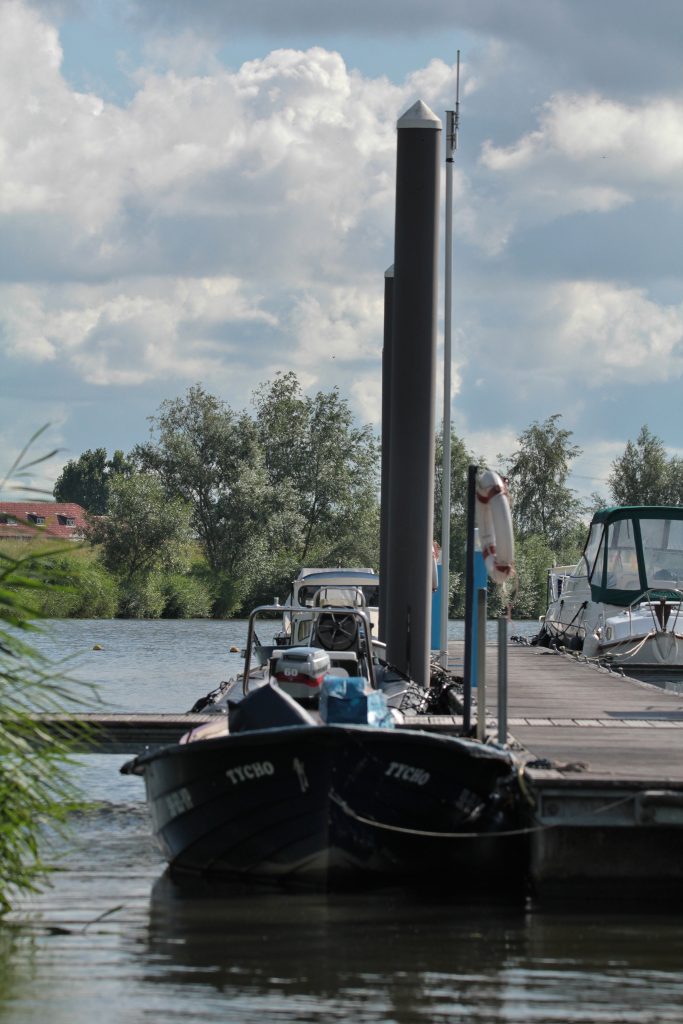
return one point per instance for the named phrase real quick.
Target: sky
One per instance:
(205, 193)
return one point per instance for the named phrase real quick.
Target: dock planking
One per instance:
(102, 733)
(569, 712)
(604, 773)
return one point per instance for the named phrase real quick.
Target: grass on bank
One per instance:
(79, 586)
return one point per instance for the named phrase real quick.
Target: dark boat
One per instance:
(338, 786)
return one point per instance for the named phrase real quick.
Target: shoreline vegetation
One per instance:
(220, 508)
(36, 792)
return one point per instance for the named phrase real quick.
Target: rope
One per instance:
(505, 834)
(566, 625)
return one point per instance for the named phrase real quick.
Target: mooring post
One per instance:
(502, 680)
(481, 662)
(413, 392)
(386, 446)
(469, 601)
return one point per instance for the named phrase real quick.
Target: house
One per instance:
(26, 520)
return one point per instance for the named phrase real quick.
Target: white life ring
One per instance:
(494, 521)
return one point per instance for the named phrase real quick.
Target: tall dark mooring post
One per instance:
(412, 394)
(386, 444)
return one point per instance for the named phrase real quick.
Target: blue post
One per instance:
(480, 583)
(436, 610)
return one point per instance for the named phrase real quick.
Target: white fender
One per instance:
(665, 648)
(494, 521)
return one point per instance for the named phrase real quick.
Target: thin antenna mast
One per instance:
(452, 124)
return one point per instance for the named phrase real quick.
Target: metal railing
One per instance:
(364, 633)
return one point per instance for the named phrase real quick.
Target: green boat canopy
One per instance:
(634, 549)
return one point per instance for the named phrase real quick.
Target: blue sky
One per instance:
(204, 192)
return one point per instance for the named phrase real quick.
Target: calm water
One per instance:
(113, 940)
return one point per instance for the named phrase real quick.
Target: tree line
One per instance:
(219, 509)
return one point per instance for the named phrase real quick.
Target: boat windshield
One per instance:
(638, 550)
(341, 596)
(662, 551)
(580, 569)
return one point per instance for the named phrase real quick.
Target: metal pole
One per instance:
(481, 663)
(413, 388)
(502, 680)
(451, 146)
(469, 601)
(386, 443)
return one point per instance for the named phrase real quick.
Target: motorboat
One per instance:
(320, 767)
(357, 587)
(622, 604)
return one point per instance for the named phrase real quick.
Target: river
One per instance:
(112, 939)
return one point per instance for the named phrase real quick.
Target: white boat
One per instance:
(622, 604)
(319, 588)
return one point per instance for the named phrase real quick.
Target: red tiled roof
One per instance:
(56, 517)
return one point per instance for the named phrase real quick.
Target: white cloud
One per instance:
(589, 153)
(110, 335)
(620, 333)
(223, 224)
(260, 196)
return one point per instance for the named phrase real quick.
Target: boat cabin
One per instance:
(340, 588)
(632, 552)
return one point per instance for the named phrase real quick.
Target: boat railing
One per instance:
(343, 611)
(661, 602)
(556, 577)
(297, 616)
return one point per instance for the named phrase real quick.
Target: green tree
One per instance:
(323, 472)
(645, 475)
(86, 480)
(144, 530)
(206, 454)
(542, 503)
(596, 502)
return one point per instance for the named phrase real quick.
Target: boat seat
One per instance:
(346, 659)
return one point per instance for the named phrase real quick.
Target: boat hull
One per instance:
(332, 805)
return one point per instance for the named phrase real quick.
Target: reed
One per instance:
(35, 791)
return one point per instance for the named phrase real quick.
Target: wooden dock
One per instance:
(602, 759)
(604, 770)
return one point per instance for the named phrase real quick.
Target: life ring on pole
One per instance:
(494, 521)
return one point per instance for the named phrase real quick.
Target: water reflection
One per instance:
(390, 956)
(315, 956)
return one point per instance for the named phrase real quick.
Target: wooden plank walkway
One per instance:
(98, 733)
(597, 722)
(607, 787)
